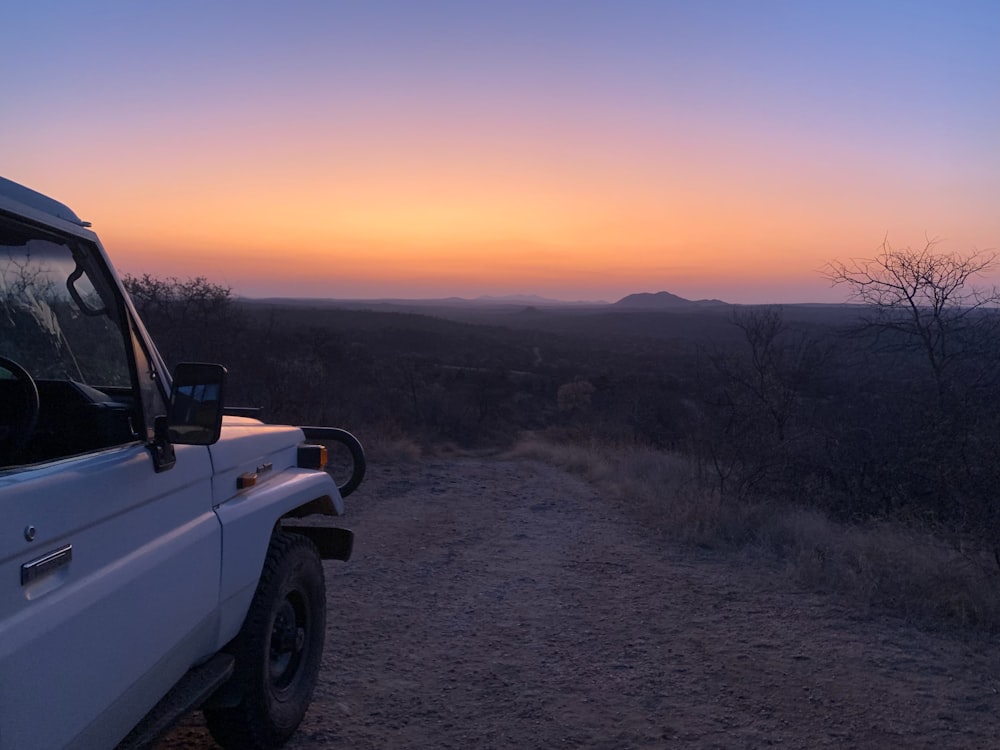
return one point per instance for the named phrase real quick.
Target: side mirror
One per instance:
(194, 416)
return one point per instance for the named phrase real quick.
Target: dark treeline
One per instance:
(823, 410)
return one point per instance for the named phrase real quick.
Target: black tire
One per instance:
(278, 651)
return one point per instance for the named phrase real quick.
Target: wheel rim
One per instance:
(289, 641)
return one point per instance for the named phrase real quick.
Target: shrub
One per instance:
(878, 566)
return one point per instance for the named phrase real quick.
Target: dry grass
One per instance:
(387, 445)
(888, 567)
(880, 566)
(656, 487)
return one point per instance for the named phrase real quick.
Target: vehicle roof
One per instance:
(34, 199)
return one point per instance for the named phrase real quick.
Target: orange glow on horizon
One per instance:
(338, 151)
(500, 243)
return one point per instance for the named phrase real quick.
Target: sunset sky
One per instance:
(571, 149)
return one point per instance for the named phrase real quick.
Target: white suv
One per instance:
(154, 555)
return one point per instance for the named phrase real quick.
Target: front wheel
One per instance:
(278, 651)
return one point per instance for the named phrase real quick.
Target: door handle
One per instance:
(39, 567)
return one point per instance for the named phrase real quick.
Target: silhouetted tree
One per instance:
(756, 435)
(190, 319)
(922, 300)
(941, 433)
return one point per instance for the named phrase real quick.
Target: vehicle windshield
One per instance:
(58, 317)
(66, 383)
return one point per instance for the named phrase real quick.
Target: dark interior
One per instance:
(73, 418)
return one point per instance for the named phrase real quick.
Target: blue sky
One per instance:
(573, 149)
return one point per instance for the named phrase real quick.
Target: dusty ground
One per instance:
(503, 604)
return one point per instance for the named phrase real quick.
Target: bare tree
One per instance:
(191, 319)
(760, 427)
(923, 300)
(943, 447)
(179, 301)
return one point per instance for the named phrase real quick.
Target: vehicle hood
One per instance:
(248, 446)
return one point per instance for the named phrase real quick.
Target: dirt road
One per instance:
(504, 604)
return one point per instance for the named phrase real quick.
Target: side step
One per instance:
(187, 695)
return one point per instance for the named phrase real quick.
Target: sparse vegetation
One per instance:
(810, 439)
(883, 566)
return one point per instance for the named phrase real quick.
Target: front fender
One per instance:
(248, 519)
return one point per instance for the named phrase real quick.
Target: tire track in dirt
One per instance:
(504, 604)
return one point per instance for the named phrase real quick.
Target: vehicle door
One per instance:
(108, 568)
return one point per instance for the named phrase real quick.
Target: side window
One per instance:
(67, 381)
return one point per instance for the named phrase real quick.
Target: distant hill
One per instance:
(663, 301)
(644, 301)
